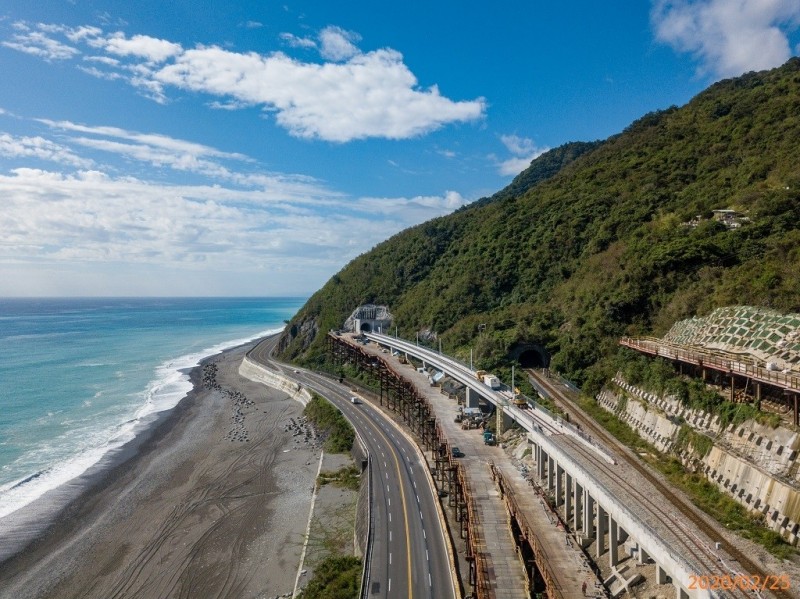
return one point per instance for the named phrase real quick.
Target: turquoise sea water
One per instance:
(78, 375)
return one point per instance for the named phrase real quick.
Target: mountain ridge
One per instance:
(592, 241)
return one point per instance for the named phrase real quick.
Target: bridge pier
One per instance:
(568, 491)
(541, 458)
(559, 485)
(661, 575)
(588, 514)
(472, 398)
(602, 516)
(613, 542)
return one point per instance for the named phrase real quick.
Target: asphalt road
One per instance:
(409, 557)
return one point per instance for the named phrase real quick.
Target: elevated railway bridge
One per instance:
(609, 506)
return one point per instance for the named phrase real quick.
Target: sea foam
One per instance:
(169, 385)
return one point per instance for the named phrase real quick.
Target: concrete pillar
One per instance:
(576, 514)
(680, 593)
(613, 547)
(588, 514)
(661, 575)
(472, 398)
(503, 420)
(541, 459)
(550, 472)
(758, 395)
(622, 534)
(643, 556)
(601, 530)
(559, 485)
(568, 496)
(733, 388)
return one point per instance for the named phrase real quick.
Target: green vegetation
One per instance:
(614, 425)
(724, 508)
(593, 242)
(332, 423)
(337, 577)
(687, 436)
(347, 477)
(700, 490)
(587, 244)
(659, 377)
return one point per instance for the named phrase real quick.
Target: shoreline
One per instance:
(225, 497)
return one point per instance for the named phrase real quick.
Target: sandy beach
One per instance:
(214, 504)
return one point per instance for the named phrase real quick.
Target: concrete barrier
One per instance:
(258, 373)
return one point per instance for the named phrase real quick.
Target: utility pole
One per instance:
(513, 389)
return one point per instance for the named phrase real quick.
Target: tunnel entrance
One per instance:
(531, 355)
(365, 327)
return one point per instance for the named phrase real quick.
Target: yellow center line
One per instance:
(403, 499)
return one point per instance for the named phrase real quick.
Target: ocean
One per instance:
(79, 377)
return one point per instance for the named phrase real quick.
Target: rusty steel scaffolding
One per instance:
(733, 366)
(537, 564)
(401, 397)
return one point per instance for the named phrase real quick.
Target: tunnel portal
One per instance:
(531, 355)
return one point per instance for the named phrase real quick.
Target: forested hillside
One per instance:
(592, 241)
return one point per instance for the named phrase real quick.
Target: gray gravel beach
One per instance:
(213, 505)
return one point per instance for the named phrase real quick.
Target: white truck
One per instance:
(491, 381)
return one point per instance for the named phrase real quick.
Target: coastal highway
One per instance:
(409, 556)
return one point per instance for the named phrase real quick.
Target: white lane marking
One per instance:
(389, 499)
(420, 515)
(390, 536)
(387, 476)
(390, 558)
(417, 498)
(427, 557)
(390, 585)
(384, 464)
(415, 484)
(390, 516)
(387, 488)
(424, 535)
(430, 582)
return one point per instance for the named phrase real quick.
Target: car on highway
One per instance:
(354, 400)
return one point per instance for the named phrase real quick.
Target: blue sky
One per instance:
(255, 147)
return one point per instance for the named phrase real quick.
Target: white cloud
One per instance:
(338, 44)
(38, 44)
(128, 231)
(294, 41)
(524, 151)
(252, 25)
(354, 95)
(243, 221)
(728, 37)
(41, 148)
(143, 46)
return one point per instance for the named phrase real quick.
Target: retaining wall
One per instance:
(754, 464)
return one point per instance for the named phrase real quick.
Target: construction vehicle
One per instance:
(491, 381)
(488, 438)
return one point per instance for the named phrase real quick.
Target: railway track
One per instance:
(747, 566)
